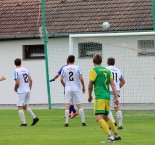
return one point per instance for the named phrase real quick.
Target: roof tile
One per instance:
(20, 17)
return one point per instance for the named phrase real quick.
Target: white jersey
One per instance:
(22, 75)
(117, 75)
(71, 75)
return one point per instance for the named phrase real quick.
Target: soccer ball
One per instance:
(105, 25)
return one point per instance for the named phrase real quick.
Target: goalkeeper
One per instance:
(72, 111)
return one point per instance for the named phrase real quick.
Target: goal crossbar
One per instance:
(111, 34)
(72, 36)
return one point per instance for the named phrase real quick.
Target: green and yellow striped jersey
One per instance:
(101, 76)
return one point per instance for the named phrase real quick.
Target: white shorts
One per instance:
(72, 97)
(112, 104)
(23, 99)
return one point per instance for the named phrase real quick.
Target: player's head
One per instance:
(111, 61)
(67, 61)
(97, 59)
(17, 62)
(71, 59)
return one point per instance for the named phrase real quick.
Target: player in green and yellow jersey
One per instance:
(100, 79)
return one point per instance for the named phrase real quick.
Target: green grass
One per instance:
(50, 130)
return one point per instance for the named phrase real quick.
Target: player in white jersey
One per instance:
(119, 82)
(72, 110)
(72, 80)
(23, 84)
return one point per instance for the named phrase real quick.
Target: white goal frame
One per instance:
(73, 37)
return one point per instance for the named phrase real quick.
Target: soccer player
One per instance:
(23, 85)
(72, 111)
(100, 79)
(2, 78)
(119, 83)
(72, 79)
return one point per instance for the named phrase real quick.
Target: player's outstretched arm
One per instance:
(51, 80)
(2, 78)
(55, 77)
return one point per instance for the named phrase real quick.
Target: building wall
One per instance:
(137, 70)
(10, 50)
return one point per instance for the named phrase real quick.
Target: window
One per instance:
(33, 52)
(88, 49)
(146, 47)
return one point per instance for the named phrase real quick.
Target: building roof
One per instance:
(23, 18)
(19, 17)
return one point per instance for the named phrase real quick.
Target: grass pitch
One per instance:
(139, 129)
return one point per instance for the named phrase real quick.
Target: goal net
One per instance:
(134, 55)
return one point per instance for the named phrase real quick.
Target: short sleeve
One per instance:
(15, 75)
(111, 76)
(79, 71)
(92, 75)
(62, 72)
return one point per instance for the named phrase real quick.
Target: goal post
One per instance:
(135, 57)
(44, 36)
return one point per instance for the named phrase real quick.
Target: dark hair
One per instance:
(111, 61)
(71, 59)
(17, 62)
(97, 59)
(67, 61)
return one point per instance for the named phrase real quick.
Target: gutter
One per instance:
(57, 35)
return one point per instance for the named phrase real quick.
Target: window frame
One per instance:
(146, 47)
(33, 51)
(88, 50)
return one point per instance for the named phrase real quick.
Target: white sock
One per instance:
(67, 115)
(30, 113)
(111, 116)
(22, 116)
(119, 117)
(81, 112)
